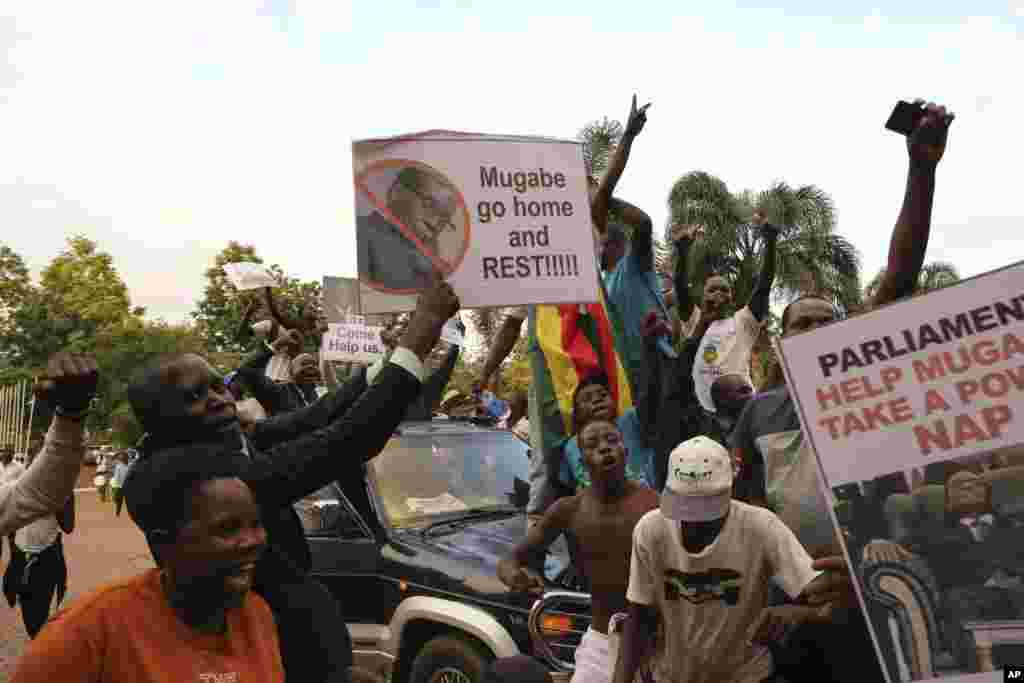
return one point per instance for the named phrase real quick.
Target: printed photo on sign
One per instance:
(411, 221)
(938, 551)
(504, 219)
(914, 412)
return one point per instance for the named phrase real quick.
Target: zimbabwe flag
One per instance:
(568, 342)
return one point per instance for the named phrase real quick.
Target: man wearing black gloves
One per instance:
(180, 400)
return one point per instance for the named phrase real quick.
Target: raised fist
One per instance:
(927, 143)
(438, 300)
(69, 383)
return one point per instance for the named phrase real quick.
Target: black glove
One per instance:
(70, 382)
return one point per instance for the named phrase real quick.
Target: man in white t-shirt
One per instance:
(729, 341)
(702, 565)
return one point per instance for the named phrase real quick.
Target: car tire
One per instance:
(463, 660)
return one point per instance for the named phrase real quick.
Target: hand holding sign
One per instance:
(433, 309)
(249, 275)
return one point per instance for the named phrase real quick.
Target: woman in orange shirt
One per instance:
(192, 619)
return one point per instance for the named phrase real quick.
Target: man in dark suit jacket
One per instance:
(386, 256)
(977, 558)
(179, 400)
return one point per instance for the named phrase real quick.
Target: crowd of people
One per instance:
(693, 511)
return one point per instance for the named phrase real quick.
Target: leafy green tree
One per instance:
(811, 256)
(82, 283)
(15, 285)
(80, 293)
(933, 276)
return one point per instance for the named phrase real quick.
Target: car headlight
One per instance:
(557, 624)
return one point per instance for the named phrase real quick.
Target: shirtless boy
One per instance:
(601, 519)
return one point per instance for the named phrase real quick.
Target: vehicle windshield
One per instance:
(432, 473)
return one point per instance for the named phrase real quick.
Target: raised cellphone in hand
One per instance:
(904, 117)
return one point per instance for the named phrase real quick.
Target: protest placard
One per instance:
(340, 298)
(505, 219)
(352, 341)
(915, 412)
(249, 275)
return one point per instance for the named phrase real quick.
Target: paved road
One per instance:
(102, 549)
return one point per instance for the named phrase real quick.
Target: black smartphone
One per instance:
(904, 117)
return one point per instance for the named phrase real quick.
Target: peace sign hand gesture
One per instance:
(637, 118)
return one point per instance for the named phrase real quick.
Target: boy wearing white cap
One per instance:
(702, 562)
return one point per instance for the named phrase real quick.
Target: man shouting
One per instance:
(179, 400)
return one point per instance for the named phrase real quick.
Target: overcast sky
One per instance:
(164, 130)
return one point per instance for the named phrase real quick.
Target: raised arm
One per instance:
(288, 426)
(515, 570)
(244, 330)
(925, 147)
(284, 321)
(683, 237)
(601, 201)
(641, 248)
(433, 388)
(49, 481)
(294, 469)
(761, 295)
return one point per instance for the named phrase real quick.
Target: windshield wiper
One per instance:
(466, 518)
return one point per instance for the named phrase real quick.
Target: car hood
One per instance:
(470, 554)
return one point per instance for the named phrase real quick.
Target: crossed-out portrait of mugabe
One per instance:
(424, 204)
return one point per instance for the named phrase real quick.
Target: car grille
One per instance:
(557, 624)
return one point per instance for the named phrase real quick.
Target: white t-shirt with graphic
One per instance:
(708, 601)
(724, 349)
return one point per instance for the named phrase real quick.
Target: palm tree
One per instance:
(599, 138)
(933, 276)
(811, 257)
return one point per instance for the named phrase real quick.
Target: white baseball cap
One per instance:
(699, 484)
